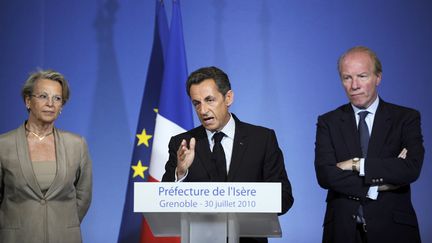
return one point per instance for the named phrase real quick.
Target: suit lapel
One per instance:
(25, 162)
(61, 162)
(380, 129)
(239, 147)
(349, 131)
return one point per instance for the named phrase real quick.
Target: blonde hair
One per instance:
(29, 84)
(372, 55)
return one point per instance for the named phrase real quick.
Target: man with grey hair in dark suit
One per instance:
(367, 153)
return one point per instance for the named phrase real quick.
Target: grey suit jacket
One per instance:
(26, 214)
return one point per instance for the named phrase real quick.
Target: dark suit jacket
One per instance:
(28, 215)
(256, 157)
(390, 218)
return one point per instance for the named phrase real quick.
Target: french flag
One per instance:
(175, 110)
(133, 227)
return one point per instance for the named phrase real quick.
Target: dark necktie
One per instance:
(218, 156)
(364, 142)
(363, 132)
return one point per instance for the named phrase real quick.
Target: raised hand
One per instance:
(185, 157)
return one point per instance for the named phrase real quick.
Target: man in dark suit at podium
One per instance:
(224, 148)
(367, 154)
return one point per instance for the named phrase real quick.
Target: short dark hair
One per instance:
(219, 76)
(367, 50)
(29, 84)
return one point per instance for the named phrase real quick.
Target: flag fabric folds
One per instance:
(175, 110)
(165, 111)
(131, 224)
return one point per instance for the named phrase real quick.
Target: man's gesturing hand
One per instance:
(185, 157)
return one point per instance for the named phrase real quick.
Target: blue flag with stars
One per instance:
(132, 223)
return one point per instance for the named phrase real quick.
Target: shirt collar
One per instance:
(228, 129)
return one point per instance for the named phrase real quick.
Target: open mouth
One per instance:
(208, 120)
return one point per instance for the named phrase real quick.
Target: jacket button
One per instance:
(42, 201)
(353, 216)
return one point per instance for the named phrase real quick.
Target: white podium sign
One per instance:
(208, 197)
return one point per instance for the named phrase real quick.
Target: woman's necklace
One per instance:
(40, 137)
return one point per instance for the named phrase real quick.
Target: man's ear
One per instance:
(229, 98)
(379, 77)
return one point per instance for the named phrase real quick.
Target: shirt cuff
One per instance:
(181, 179)
(373, 192)
(361, 165)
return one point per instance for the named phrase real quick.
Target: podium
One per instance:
(210, 212)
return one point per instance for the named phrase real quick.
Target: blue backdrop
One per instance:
(280, 56)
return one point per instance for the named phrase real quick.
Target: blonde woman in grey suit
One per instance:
(45, 173)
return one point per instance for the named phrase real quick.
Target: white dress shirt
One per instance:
(369, 119)
(227, 141)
